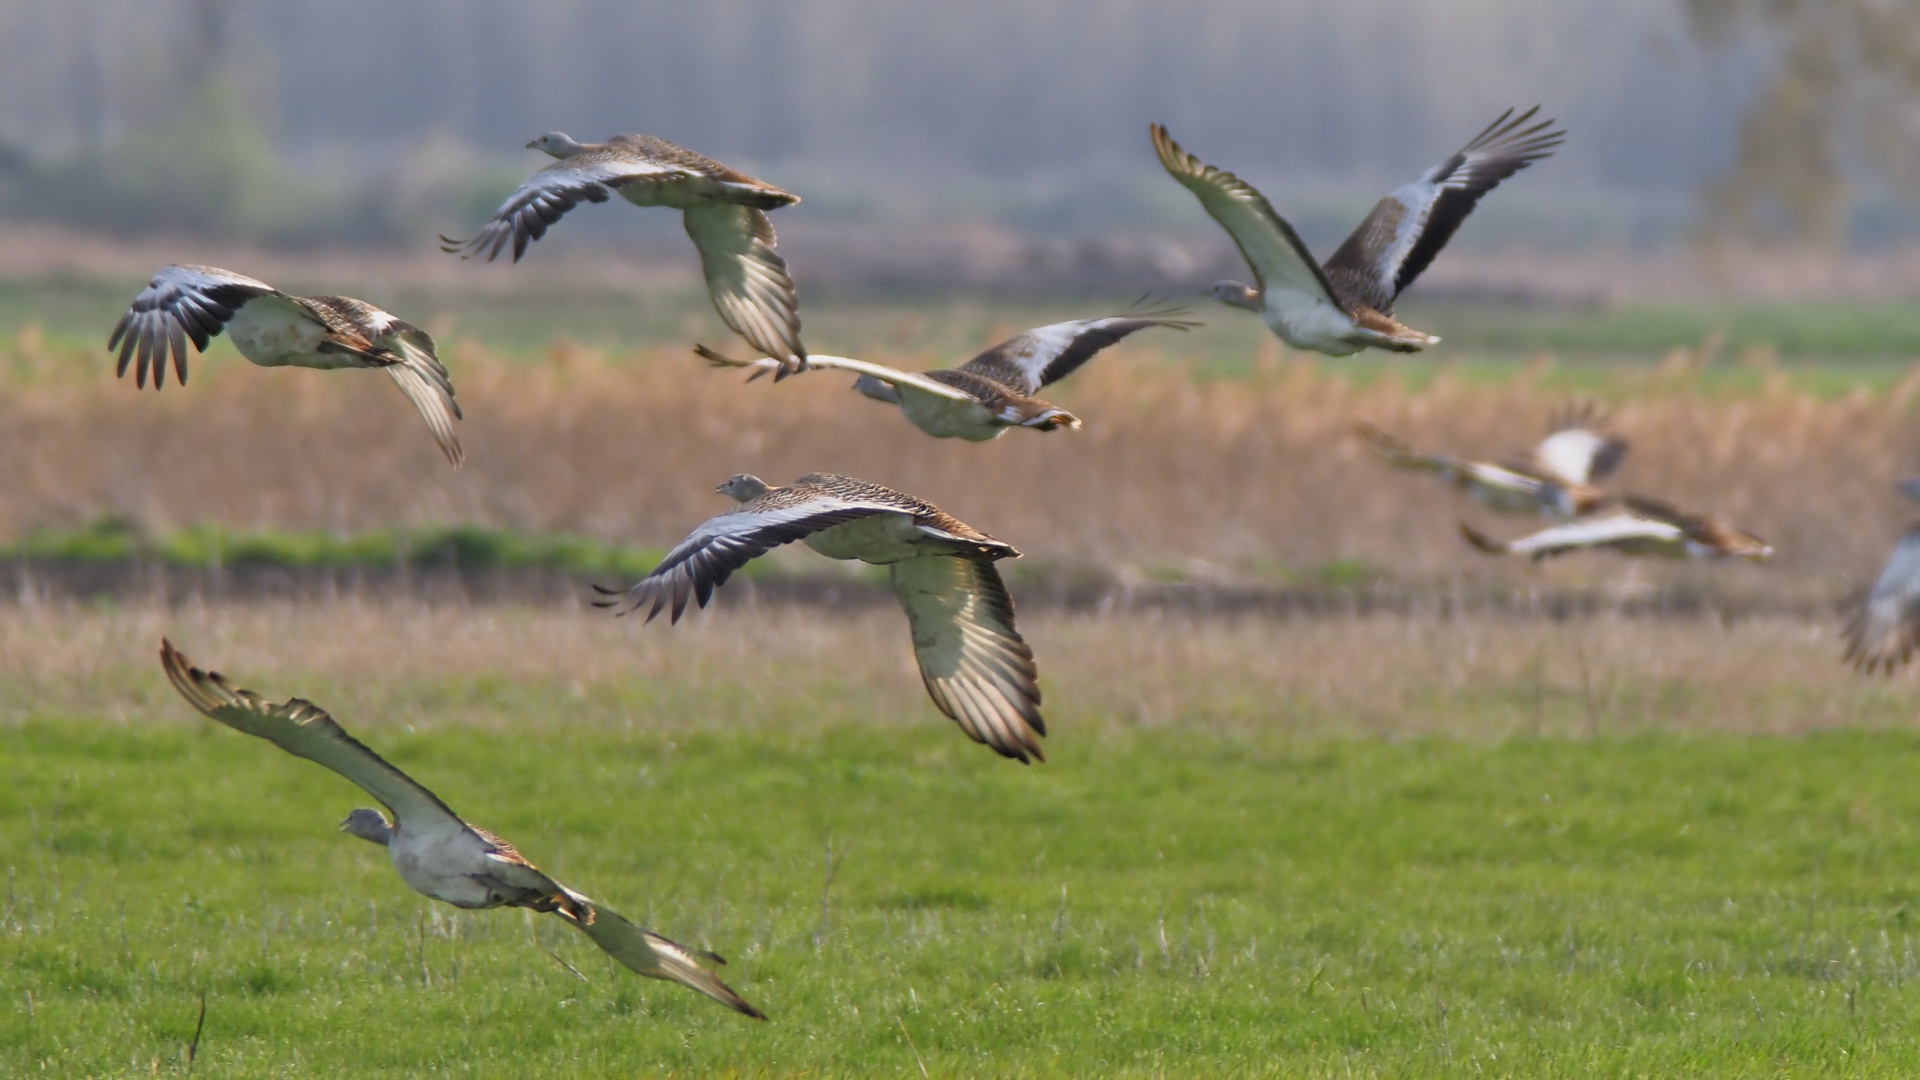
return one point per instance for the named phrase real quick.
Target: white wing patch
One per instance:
(1046, 354)
(1578, 455)
(888, 375)
(1433, 206)
(1597, 531)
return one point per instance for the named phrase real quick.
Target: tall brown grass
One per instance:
(398, 662)
(1213, 477)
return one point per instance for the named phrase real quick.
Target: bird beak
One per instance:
(534, 145)
(343, 824)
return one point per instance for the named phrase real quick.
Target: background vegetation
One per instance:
(1258, 848)
(1209, 455)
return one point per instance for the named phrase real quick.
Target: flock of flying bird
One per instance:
(977, 668)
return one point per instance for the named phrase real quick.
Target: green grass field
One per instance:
(1151, 902)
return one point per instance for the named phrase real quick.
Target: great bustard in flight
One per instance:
(1555, 478)
(274, 329)
(437, 853)
(976, 667)
(993, 392)
(1346, 304)
(1632, 525)
(724, 211)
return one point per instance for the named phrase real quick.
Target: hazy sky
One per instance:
(967, 100)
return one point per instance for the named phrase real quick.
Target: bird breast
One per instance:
(1318, 325)
(678, 191)
(879, 539)
(440, 865)
(945, 418)
(271, 336)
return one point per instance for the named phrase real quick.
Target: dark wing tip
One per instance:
(1481, 540)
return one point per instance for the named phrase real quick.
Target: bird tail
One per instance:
(759, 367)
(1047, 417)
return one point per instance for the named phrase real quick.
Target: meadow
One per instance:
(1247, 855)
(1414, 843)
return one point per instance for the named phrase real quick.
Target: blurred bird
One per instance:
(1884, 629)
(438, 854)
(1554, 479)
(984, 397)
(1347, 304)
(976, 667)
(723, 210)
(273, 329)
(1632, 525)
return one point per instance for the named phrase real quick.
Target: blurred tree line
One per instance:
(1840, 111)
(197, 150)
(386, 120)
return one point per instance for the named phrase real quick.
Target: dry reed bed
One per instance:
(788, 669)
(1169, 471)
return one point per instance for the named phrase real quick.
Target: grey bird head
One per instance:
(741, 487)
(555, 144)
(368, 824)
(1234, 293)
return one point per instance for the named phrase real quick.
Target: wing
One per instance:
(1048, 354)
(977, 668)
(748, 279)
(303, 729)
(425, 382)
(1402, 456)
(547, 196)
(649, 954)
(706, 559)
(181, 302)
(1405, 230)
(1279, 259)
(1884, 629)
(1598, 531)
(1579, 455)
(891, 376)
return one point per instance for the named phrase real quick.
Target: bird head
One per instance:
(741, 487)
(368, 824)
(1235, 294)
(555, 144)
